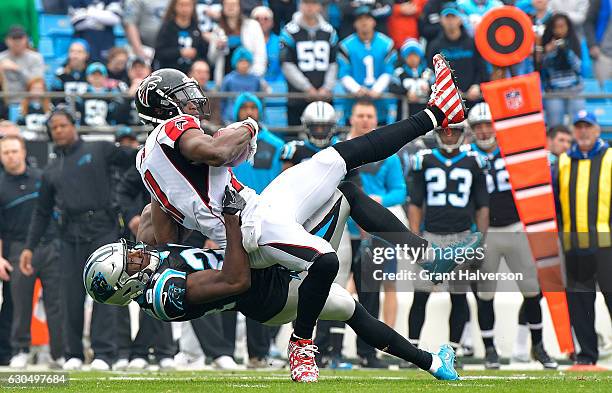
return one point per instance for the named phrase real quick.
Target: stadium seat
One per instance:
(54, 25)
(45, 47)
(607, 86)
(592, 86)
(118, 30)
(276, 116)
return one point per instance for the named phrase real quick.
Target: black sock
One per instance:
(313, 293)
(416, 316)
(378, 220)
(329, 338)
(387, 140)
(382, 337)
(533, 314)
(486, 320)
(522, 318)
(459, 315)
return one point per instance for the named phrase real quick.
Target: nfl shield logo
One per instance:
(514, 99)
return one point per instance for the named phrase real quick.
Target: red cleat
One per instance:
(445, 93)
(301, 355)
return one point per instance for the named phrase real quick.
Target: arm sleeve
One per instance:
(591, 22)
(257, 45)
(331, 77)
(481, 194)
(417, 188)
(395, 184)
(42, 213)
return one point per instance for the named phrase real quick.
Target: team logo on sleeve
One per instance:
(145, 88)
(180, 124)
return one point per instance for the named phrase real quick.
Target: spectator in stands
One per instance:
(365, 61)
(460, 51)
(209, 12)
(283, 12)
(558, 140)
(265, 17)
(308, 58)
(3, 101)
(141, 21)
(380, 9)
(240, 80)
(474, 10)
(403, 22)
(583, 230)
(180, 41)
(34, 110)
(18, 63)
(576, 10)
(200, 71)
(19, 12)
(116, 65)
(540, 12)
(77, 185)
(561, 69)
(235, 30)
(19, 188)
(429, 23)
(412, 78)
(103, 110)
(138, 69)
(71, 78)
(598, 32)
(93, 21)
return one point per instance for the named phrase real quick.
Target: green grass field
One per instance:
(342, 381)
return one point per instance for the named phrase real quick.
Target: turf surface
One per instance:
(342, 381)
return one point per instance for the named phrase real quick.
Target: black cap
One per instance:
(16, 31)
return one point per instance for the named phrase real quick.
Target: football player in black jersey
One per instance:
(448, 195)
(308, 57)
(506, 239)
(319, 122)
(174, 283)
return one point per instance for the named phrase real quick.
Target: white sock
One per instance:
(436, 363)
(521, 342)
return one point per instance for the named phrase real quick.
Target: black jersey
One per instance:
(502, 209)
(312, 50)
(449, 189)
(164, 295)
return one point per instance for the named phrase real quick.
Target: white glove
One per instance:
(253, 142)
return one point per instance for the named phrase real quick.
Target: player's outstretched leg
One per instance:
(382, 337)
(379, 221)
(445, 107)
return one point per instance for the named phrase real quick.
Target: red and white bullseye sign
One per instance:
(505, 36)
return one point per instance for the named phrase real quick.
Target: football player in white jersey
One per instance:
(186, 172)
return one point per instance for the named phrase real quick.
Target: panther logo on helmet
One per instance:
(148, 85)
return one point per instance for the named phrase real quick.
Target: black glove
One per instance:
(233, 203)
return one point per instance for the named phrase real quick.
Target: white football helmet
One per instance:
(457, 126)
(319, 120)
(105, 275)
(479, 114)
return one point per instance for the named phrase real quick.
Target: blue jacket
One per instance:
(267, 164)
(274, 64)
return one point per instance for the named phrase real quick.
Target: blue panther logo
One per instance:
(100, 288)
(176, 296)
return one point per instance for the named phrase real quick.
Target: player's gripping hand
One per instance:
(254, 129)
(233, 203)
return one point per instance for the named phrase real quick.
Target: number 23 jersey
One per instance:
(450, 189)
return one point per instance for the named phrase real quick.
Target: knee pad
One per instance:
(325, 264)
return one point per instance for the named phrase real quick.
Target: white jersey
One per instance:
(191, 193)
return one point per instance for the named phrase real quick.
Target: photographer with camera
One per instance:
(561, 69)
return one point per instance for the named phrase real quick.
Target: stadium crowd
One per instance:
(376, 55)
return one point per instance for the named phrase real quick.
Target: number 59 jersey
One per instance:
(450, 189)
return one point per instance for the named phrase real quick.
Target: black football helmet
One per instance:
(166, 93)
